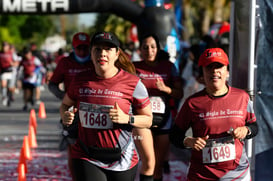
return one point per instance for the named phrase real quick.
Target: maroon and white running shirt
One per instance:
(94, 96)
(5, 60)
(215, 116)
(67, 69)
(164, 71)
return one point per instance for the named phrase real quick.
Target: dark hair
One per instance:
(161, 55)
(60, 51)
(26, 50)
(210, 42)
(154, 36)
(5, 43)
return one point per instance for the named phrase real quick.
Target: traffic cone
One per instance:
(42, 112)
(26, 148)
(32, 137)
(21, 173)
(33, 120)
(22, 161)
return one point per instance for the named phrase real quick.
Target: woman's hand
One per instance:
(117, 115)
(162, 87)
(68, 117)
(239, 132)
(196, 143)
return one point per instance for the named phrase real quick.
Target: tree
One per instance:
(36, 28)
(200, 15)
(113, 23)
(21, 29)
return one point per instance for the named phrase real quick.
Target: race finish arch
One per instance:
(153, 18)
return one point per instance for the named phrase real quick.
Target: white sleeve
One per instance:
(140, 91)
(37, 61)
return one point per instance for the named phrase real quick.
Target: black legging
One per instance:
(83, 170)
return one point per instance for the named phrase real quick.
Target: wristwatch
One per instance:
(131, 120)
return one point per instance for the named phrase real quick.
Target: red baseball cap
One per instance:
(212, 55)
(80, 38)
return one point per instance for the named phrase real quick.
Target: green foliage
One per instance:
(112, 23)
(36, 28)
(100, 22)
(4, 34)
(22, 29)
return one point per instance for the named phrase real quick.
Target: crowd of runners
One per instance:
(27, 70)
(116, 111)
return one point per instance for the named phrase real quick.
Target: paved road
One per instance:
(14, 122)
(48, 163)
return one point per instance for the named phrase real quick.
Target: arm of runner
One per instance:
(253, 128)
(162, 87)
(176, 91)
(54, 89)
(245, 132)
(142, 119)
(178, 138)
(66, 115)
(197, 143)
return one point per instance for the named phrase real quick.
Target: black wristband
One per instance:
(131, 120)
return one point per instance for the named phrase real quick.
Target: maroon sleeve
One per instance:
(183, 118)
(58, 74)
(71, 91)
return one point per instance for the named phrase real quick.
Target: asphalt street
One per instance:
(14, 122)
(48, 162)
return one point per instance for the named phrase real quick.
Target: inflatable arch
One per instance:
(153, 18)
